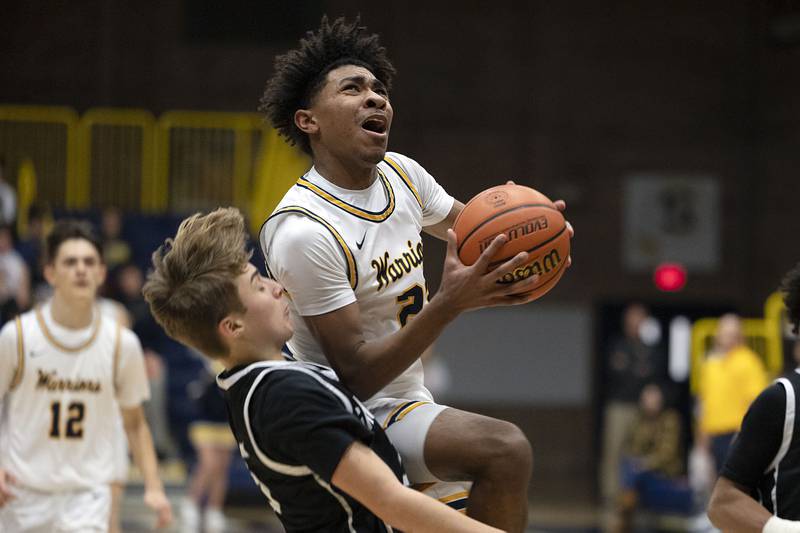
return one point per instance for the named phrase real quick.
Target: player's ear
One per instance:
(305, 121)
(230, 327)
(49, 274)
(102, 272)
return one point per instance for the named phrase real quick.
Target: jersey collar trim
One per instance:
(64, 348)
(225, 381)
(372, 216)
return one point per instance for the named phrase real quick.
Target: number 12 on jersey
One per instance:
(73, 429)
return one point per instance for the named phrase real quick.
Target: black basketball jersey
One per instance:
(294, 421)
(765, 457)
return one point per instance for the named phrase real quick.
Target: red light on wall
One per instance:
(670, 277)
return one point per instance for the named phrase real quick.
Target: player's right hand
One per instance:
(6, 481)
(158, 502)
(475, 286)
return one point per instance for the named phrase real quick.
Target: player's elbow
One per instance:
(718, 503)
(358, 384)
(133, 420)
(356, 377)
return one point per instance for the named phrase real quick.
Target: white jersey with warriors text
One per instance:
(330, 247)
(62, 397)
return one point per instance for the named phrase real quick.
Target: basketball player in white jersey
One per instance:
(62, 366)
(345, 243)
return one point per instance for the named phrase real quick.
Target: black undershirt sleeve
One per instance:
(300, 421)
(759, 440)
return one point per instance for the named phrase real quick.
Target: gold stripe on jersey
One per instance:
(20, 356)
(372, 216)
(69, 349)
(117, 343)
(454, 497)
(408, 409)
(399, 412)
(403, 176)
(352, 271)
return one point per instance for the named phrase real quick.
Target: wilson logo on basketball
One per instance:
(543, 265)
(516, 231)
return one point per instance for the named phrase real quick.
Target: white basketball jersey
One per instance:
(60, 414)
(362, 246)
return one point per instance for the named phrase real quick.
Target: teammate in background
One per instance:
(66, 371)
(316, 452)
(759, 487)
(345, 243)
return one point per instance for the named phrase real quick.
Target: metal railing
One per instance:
(127, 158)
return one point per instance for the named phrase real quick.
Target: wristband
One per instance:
(779, 525)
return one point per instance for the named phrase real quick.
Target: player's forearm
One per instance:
(732, 510)
(378, 362)
(414, 512)
(140, 442)
(369, 480)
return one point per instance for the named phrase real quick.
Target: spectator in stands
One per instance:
(635, 359)
(8, 197)
(30, 246)
(653, 460)
(730, 379)
(15, 288)
(128, 283)
(116, 251)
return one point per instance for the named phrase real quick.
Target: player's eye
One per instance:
(351, 87)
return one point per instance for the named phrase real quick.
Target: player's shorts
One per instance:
(211, 434)
(80, 511)
(406, 423)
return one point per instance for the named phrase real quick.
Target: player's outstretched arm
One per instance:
(368, 366)
(732, 510)
(140, 442)
(369, 480)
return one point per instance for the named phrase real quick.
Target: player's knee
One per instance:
(507, 452)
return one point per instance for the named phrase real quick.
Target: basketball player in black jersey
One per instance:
(759, 486)
(314, 450)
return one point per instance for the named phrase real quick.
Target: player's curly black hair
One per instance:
(791, 288)
(300, 73)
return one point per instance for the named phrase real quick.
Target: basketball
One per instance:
(532, 224)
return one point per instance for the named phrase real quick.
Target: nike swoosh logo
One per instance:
(360, 244)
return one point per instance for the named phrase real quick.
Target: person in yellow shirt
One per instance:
(731, 378)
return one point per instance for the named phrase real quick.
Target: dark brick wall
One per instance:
(568, 97)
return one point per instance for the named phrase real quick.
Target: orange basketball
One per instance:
(532, 224)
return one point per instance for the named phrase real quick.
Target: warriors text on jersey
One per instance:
(330, 246)
(294, 421)
(58, 387)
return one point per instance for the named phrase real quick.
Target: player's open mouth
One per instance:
(376, 124)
